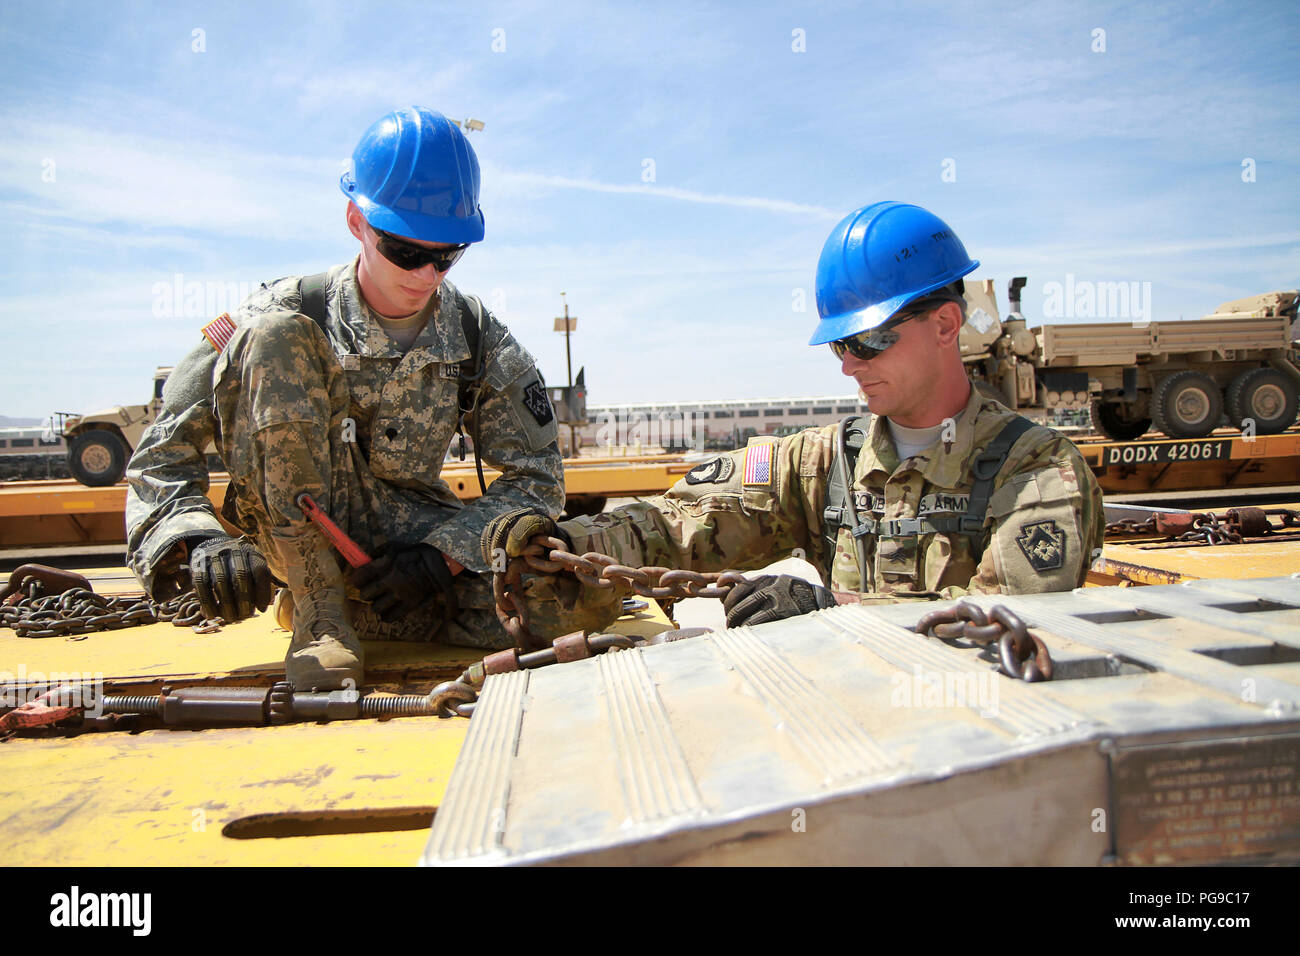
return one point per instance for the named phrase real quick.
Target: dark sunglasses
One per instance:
(408, 256)
(867, 345)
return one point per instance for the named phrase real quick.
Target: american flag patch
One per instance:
(758, 464)
(219, 331)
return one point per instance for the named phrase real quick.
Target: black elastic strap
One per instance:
(985, 467)
(311, 289)
(850, 436)
(471, 371)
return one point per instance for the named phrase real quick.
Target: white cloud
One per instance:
(531, 181)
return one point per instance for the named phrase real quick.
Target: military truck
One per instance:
(100, 444)
(1183, 377)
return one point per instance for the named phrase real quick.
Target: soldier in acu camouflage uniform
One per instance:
(951, 492)
(349, 386)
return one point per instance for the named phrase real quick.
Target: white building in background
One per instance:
(719, 424)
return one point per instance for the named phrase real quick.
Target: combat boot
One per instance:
(325, 652)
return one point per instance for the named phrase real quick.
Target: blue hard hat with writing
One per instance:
(877, 260)
(415, 174)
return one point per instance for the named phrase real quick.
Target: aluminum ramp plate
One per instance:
(841, 737)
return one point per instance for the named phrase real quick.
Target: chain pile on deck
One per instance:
(1193, 529)
(55, 603)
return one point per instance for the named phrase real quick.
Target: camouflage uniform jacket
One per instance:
(1042, 526)
(404, 410)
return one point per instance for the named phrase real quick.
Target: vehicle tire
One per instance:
(1109, 419)
(1187, 404)
(1266, 396)
(97, 458)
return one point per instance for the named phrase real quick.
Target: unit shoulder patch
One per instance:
(711, 472)
(538, 403)
(1043, 544)
(219, 331)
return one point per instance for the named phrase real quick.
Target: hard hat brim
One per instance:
(845, 324)
(413, 225)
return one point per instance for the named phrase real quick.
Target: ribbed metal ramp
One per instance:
(1171, 735)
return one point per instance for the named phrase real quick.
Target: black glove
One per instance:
(399, 580)
(773, 598)
(511, 532)
(231, 578)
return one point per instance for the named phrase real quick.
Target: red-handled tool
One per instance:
(350, 550)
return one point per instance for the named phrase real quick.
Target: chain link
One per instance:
(595, 570)
(1023, 655)
(1237, 526)
(82, 611)
(457, 698)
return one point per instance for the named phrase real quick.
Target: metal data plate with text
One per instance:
(1207, 801)
(1169, 735)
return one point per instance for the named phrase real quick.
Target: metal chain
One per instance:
(457, 698)
(1131, 526)
(82, 611)
(548, 555)
(1023, 654)
(1238, 526)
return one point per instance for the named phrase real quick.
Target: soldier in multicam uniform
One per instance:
(951, 493)
(355, 403)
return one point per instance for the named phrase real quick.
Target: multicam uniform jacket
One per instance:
(1042, 528)
(403, 412)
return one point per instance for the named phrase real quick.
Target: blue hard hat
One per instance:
(415, 174)
(877, 260)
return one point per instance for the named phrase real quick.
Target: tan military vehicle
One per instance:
(1183, 377)
(100, 444)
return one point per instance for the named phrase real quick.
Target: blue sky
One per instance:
(128, 159)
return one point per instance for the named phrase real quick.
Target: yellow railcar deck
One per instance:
(359, 792)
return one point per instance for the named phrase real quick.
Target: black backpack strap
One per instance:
(312, 291)
(985, 468)
(840, 511)
(473, 322)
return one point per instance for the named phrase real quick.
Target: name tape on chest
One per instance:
(869, 501)
(758, 464)
(934, 503)
(219, 331)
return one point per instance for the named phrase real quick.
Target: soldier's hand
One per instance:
(401, 579)
(510, 533)
(773, 598)
(230, 577)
